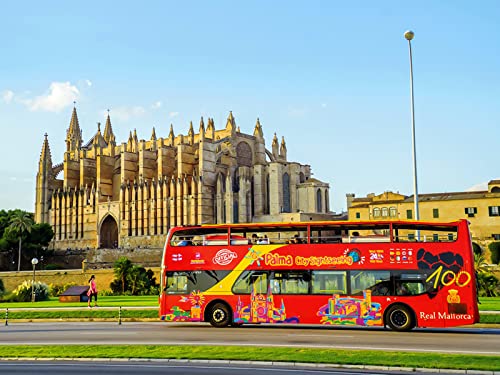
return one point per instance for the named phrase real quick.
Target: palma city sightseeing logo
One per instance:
(224, 257)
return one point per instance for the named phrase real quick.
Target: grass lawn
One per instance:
(351, 357)
(489, 303)
(486, 303)
(104, 301)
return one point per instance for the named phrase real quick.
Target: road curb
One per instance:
(258, 363)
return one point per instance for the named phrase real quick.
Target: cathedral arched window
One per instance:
(286, 193)
(376, 212)
(268, 197)
(236, 181)
(244, 154)
(319, 206)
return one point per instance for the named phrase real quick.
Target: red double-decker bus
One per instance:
(398, 274)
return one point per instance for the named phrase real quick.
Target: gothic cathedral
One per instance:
(128, 195)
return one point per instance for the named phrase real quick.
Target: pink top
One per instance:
(93, 288)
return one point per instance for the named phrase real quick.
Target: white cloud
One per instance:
(125, 113)
(7, 96)
(323, 105)
(88, 82)
(59, 96)
(483, 186)
(173, 114)
(156, 105)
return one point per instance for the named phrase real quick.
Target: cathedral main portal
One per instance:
(109, 233)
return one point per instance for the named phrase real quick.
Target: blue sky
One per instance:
(330, 76)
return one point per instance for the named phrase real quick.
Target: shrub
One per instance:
(487, 284)
(23, 292)
(132, 279)
(2, 287)
(56, 290)
(495, 252)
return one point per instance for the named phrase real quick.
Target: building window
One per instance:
(385, 212)
(319, 206)
(494, 210)
(435, 213)
(358, 215)
(409, 214)
(393, 212)
(470, 211)
(376, 212)
(496, 237)
(286, 193)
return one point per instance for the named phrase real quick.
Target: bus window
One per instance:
(329, 282)
(411, 283)
(176, 283)
(251, 281)
(290, 282)
(199, 236)
(363, 280)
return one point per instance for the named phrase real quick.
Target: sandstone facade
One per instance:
(128, 195)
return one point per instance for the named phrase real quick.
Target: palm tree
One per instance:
(21, 222)
(122, 268)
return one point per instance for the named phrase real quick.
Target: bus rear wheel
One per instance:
(220, 316)
(400, 318)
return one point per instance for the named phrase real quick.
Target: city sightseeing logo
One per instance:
(224, 257)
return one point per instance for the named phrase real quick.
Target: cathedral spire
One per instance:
(191, 133)
(257, 131)
(74, 133)
(153, 135)
(45, 155)
(108, 131)
(171, 135)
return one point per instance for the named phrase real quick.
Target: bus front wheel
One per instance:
(400, 318)
(220, 316)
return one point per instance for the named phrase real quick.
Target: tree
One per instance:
(122, 268)
(21, 223)
(487, 282)
(495, 252)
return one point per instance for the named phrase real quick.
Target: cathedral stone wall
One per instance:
(128, 195)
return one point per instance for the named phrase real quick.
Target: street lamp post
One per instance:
(409, 36)
(34, 262)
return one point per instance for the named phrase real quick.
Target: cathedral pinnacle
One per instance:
(283, 148)
(231, 123)
(191, 130)
(108, 131)
(275, 146)
(257, 132)
(153, 135)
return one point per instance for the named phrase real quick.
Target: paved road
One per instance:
(465, 340)
(170, 368)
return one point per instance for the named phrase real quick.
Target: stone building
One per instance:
(480, 208)
(128, 195)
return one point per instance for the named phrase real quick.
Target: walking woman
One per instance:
(92, 291)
